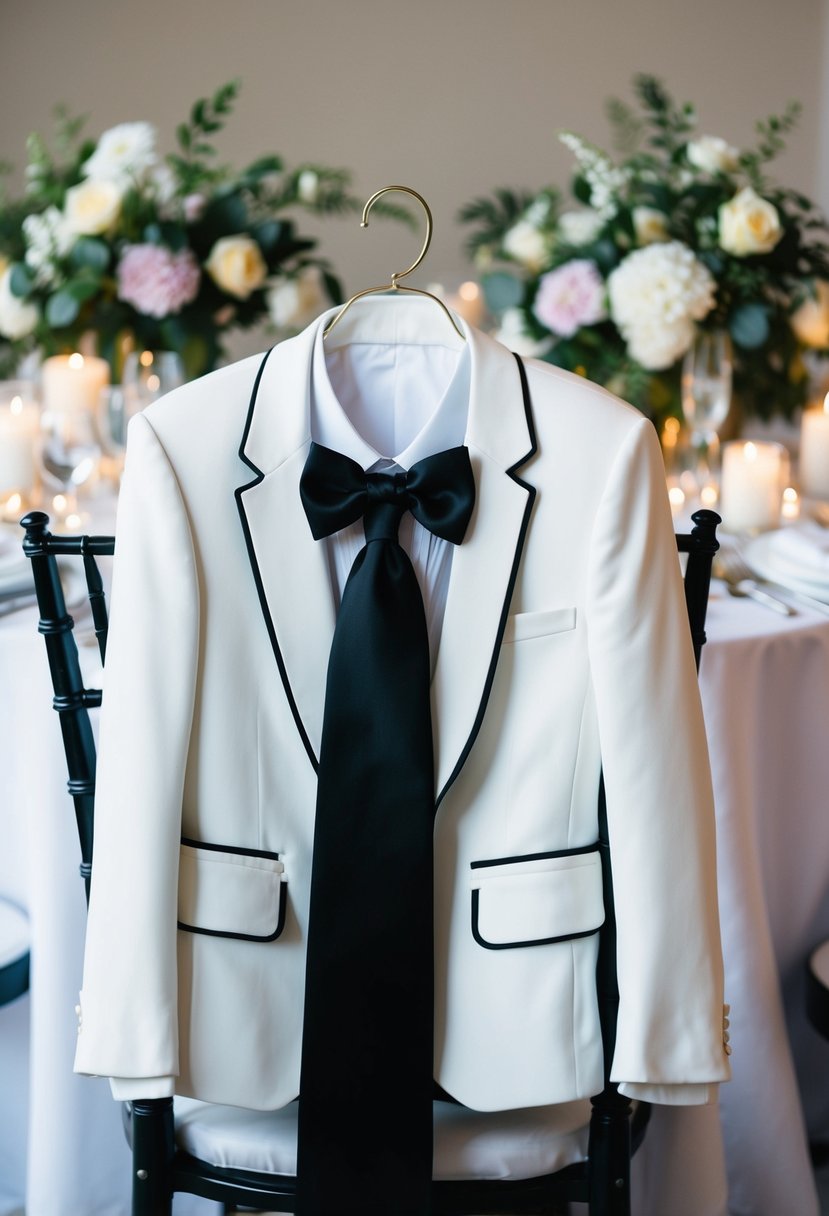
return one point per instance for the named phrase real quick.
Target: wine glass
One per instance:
(706, 398)
(147, 375)
(70, 451)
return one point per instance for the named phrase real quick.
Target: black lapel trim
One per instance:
(260, 587)
(511, 861)
(519, 548)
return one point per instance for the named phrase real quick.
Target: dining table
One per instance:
(765, 690)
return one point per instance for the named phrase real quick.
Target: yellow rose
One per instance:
(92, 207)
(810, 321)
(650, 225)
(749, 224)
(237, 266)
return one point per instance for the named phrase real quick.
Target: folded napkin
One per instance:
(804, 547)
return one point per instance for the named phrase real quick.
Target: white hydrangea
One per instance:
(513, 334)
(17, 317)
(123, 152)
(655, 295)
(579, 227)
(606, 180)
(48, 238)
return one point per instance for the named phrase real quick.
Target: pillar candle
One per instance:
(814, 451)
(18, 440)
(74, 382)
(753, 476)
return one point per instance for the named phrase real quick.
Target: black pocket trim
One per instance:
(536, 941)
(508, 861)
(283, 894)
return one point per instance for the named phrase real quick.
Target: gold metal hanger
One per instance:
(394, 285)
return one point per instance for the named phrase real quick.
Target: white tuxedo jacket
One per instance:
(564, 648)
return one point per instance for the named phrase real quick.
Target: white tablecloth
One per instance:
(765, 687)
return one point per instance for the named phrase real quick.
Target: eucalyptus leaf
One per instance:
(502, 291)
(62, 309)
(20, 280)
(749, 326)
(89, 252)
(82, 289)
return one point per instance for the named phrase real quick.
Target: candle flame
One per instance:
(59, 502)
(73, 521)
(146, 358)
(16, 405)
(708, 496)
(13, 503)
(826, 404)
(750, 451)
(469, 290)
(676, 496)
(153, 383)
(790, 494)
(76, 361)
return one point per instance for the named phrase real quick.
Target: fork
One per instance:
(740, 580)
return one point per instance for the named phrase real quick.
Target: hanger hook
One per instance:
(401, 274)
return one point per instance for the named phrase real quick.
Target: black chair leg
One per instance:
(609, 1154)
(153, 1146)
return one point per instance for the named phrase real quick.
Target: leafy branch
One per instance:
(207, 117)
(772, 132)
(495, 216)
(673, 123)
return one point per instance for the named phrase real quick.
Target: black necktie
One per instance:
(365, 1110)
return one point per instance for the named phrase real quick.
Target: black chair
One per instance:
(598, 1160)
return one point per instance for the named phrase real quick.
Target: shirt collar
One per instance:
(333, 429)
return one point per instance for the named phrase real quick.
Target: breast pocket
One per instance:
(523, 626)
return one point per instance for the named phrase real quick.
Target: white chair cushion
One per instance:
(14, 933)
(511, 1144)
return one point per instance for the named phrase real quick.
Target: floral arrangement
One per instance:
(110, 239)
(682, 231)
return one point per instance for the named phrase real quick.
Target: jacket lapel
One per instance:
(289, 566)
(500, 438)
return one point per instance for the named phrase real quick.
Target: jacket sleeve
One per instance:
(660, 807)
(128, 1013)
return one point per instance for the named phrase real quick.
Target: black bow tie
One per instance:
(439, 491)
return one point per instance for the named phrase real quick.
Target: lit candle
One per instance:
(791, 504)
(814, 451)
(18, 439)
(753, 476)
(468, 302)
(74, 382)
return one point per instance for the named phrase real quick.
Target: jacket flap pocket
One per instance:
(524, 625)
(537, 902)
(230, 893)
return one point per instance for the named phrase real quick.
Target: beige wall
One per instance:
(452, 97)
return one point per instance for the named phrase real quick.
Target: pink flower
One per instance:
(156, 281)
(194, 205)
(570, 296)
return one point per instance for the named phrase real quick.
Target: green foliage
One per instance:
(659, 168)
(183, 205)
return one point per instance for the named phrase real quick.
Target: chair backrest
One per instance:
(612, 1136)
(71, 700)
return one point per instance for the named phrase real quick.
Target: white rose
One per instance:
(236, 266)
(749, 224)
(579, 227)
(92, 207)
(712, 154)
(649, 225)
(810, 321)
(17, 318)
(294, 303)
(307, 186)
(125, 151)
(526, 245)
(513, 334)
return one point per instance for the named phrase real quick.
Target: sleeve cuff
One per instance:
(124, 1089)
(667, 1095)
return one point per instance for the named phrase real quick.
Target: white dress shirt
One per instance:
(386, 407)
